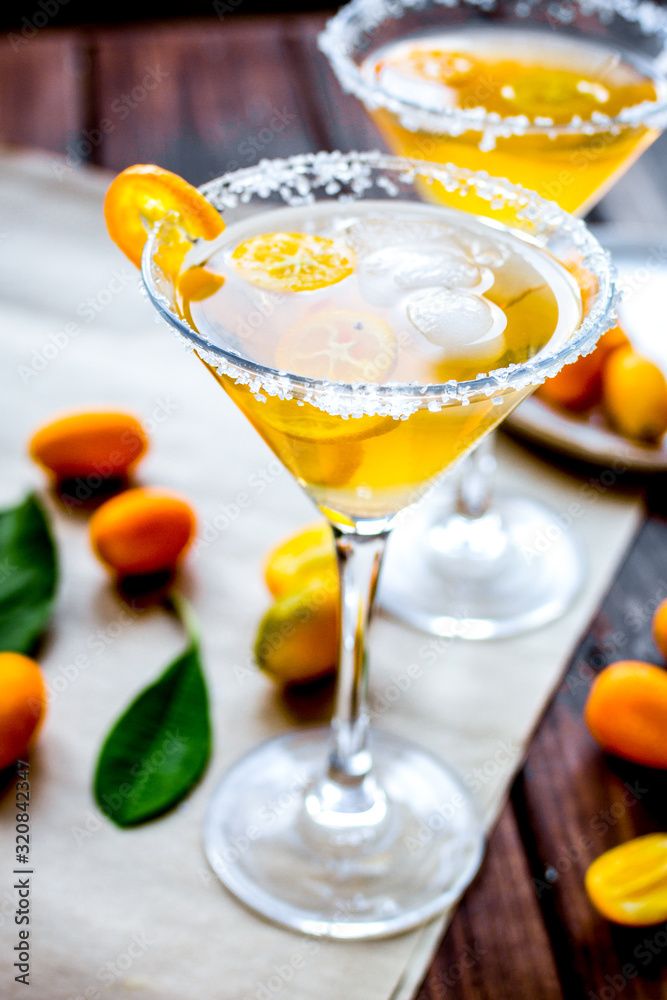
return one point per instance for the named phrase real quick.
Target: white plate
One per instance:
(641, 262)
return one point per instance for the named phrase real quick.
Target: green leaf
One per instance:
(159, 747)
(28, 575)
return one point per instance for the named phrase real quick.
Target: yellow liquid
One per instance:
(519, 73)
(371, 466)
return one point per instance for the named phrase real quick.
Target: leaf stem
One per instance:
(186, 614)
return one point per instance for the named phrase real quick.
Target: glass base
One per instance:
(400, 866)
(512, 570)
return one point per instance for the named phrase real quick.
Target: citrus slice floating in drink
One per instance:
(339, 345)
(343, 345)
(293, 262)
(145, 194)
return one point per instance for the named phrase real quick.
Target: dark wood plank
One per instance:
(43, 85)
(201, 98)
(574, 802)
(497, 947)
(342, 120)
(527, 917)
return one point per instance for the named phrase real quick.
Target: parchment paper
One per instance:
(137, 913)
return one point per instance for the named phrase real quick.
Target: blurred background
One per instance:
(218, 84)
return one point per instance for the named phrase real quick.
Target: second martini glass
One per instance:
(350, 832)
(440, 82)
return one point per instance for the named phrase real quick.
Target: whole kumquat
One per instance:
(575, 387)
(297, 640)
(303, 555)
(579, 386)
(142, 531)
(626, 712)
(659, 628)
(22, 705)
(634, 395)
(106, 444)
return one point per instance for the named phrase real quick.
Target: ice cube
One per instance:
(465, 326)
(371, 233)
(386, 273)
(411, 268)
(376, 277)
(482, 250)
(424, 270)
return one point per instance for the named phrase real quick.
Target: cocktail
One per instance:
(559, 97)
(330, 309)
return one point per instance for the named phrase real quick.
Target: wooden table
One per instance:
(201, 97)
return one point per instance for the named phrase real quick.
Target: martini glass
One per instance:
(374, 834)
(470, 562)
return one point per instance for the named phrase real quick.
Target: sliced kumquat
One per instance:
(171, 252)
(628, 884)
(293, 262)
(145, 194)
(340, 345)
(195, 285)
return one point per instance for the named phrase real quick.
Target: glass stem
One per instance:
(474, 495)
(359, 558)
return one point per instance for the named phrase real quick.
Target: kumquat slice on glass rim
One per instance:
(144, 194)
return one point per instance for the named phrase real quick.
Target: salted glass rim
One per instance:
(341, 34)
(289, 178)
